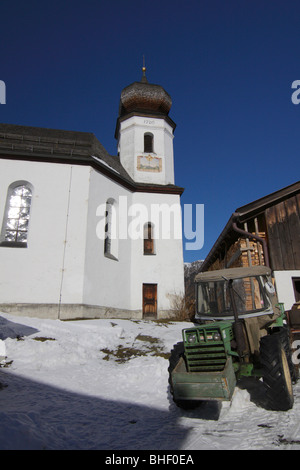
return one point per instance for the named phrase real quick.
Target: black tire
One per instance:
(176, 354)
(276, 373)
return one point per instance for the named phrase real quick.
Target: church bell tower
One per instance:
(145, 132)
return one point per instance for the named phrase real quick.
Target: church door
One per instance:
(149, 300)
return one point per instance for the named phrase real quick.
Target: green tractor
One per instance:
(240, 330)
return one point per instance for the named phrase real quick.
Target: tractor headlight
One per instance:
(216, 336)
(192, 338)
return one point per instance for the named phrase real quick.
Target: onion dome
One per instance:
(144, 97)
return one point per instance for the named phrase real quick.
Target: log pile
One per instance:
(244, 252)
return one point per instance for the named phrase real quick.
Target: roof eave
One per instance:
(98, 166)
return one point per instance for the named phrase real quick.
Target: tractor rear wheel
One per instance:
(276, 373)
(285, 339)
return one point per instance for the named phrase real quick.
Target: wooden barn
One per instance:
(264, 232)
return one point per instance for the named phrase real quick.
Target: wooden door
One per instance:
(149, 300)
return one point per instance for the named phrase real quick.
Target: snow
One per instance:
(2, 349)
(105, 164)
(63, 386)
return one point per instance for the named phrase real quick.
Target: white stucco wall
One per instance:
(34, 274)
(131, 145)
(165, 268)
(72, 285)
(118, 283)
(64, 261)
(284, 287)
(107, 281)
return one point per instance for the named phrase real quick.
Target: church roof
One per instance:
(73, 147)
(144, 99)
(144, 96)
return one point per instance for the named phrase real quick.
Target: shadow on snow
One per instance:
(45, 417)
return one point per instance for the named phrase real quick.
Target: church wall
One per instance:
(48, 268)
(75, 236)
(63, 272)
(165, 267)
(169, 160)
(133, 157)
(107, 280)
(113, 287)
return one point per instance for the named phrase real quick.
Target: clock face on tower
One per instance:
(149, 163)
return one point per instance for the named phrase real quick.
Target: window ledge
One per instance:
(13, 244)
(110, 256)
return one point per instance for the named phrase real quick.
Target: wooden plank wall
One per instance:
(283, 228)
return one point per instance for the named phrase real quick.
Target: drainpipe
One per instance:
(251, 235)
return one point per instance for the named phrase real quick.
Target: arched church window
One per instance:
(17, 213)
(148, 142)
(149, 239)
(111, 238)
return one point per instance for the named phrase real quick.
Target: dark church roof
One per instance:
(73, 147)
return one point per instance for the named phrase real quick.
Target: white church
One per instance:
(85, 234)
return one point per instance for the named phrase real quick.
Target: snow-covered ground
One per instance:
(103, 384)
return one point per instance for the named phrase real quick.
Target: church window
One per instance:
(17, 214)
(111, 240)
(148, 142)
(149, 239)
(107, 241)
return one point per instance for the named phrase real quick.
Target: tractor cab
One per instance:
(249, 291)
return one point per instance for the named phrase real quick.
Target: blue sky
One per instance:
(228, 65)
